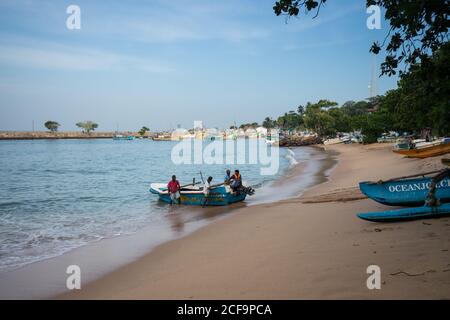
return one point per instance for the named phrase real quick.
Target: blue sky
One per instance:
(161, 63)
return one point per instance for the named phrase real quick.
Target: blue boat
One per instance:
(122, 137)
(407, 214)
(193, 195)
(406, 192)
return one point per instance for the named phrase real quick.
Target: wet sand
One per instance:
(308, 247)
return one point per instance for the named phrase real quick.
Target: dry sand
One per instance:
(313, 247)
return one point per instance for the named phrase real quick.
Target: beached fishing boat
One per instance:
(407, 214)
(405, 192)
(193, 195)
(329, 142)
(425, 149)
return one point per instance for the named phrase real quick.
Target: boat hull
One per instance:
(214, 199)
(410, 193)
(425, 152)
(407, 214)
(217, 197)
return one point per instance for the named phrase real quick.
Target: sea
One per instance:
(60, 197)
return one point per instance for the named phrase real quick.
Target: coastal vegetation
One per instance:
(418, 44)
(246, 126)
(143, 131)
(52, 125)
(87, 126)
(420, 101)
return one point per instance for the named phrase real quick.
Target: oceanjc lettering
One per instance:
(418, 186)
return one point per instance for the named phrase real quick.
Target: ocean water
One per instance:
(59, 195)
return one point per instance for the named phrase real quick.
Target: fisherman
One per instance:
(174, 190)
(236, 181)
(227, 178)
(206, 190)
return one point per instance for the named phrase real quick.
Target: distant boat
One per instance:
(405, 192)
(193, 195)
(344, 139)
(122, 137)
(388, 137)
(424, 149)
(407, 214)
(330, 142)
(162, 138)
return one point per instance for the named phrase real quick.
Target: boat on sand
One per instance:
(426, 149)
(405, 191)
(433, 193)
(407, 214)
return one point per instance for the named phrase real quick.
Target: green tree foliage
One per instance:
(417, 27)
(420, 101)
(422, 97)
(290, 120)
(342, 121)
(87, 126)
(352, 108)
(143, 131)
(372, 125)
(268, 123)
(246, 126)
(52, 125)
(318, 119)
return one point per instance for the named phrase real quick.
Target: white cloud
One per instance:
(47, 55)
(179, 21)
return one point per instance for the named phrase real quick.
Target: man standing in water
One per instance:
(206, 189)
(174, 190)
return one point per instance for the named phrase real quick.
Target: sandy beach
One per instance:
(312, 247)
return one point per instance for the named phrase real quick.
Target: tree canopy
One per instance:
(143, 130)
(87, 126)
(422, 97)
(52, 125)
(417, 28)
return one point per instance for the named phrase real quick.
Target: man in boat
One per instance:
(236, 181)
(174, 190)
(227, 178)
(206, 190)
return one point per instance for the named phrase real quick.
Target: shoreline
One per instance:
(294, 250)
(180, 222)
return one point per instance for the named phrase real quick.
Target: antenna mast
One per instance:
(373, 88)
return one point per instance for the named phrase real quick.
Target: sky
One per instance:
(162, 63)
